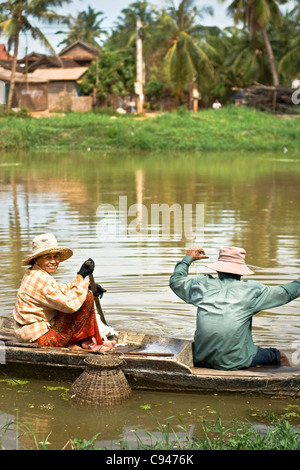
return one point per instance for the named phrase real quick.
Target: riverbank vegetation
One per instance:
(280, 434)
(231, 128)
(184, 60)
(262, 425)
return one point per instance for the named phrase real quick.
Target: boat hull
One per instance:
(150, 363)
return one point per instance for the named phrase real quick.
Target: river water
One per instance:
(135, 215)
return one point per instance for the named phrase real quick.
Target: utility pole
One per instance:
(195, 96)
(139, 68)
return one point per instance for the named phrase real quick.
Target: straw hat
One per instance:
(231, 260)
(44, 244)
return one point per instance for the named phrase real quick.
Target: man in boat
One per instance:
(225, 306)
(54, 314)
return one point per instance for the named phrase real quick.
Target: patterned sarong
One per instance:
(73, 327)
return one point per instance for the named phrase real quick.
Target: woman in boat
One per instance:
(223, 336)
(54, 314)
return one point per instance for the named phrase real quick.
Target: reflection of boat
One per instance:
(151, 363)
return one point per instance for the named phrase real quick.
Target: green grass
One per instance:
(279, 435)
(228, 129)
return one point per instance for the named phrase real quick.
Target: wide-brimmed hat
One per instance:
(231, 260)
(44, 244)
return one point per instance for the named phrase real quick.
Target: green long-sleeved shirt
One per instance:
(225, 306)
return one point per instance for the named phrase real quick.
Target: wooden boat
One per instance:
(151, 363)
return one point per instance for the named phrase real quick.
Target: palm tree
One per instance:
(125, 31)
(289, 64)
(246, 59)
(257, 15)
(123, 39)
(85, 27)
(124, 34)
(15, 16)
(187, 55)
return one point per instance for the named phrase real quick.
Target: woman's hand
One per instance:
(100, 291)
(87, 268)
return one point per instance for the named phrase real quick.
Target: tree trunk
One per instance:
(271, 57)
(13, 71)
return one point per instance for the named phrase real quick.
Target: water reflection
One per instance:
(249, 200)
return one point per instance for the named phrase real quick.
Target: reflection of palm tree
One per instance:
(139, 183)
(15, 205)
(186, 57)
(15, 225)
(15, 20)
(257, 15)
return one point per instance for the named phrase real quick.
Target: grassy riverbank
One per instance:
(230, 128)
(279, 435)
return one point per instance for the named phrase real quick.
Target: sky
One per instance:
(111, 10)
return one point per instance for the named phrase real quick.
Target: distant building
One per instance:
(2, 92)
(29, 91)
(5, 62)
(62, 88)
(78, 54)
(52, 82)
(5, 58)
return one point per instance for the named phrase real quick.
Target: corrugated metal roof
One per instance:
(58, 74)
(20, 77)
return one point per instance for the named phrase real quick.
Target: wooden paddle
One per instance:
(94, 290)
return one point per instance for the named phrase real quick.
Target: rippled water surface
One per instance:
(103, 206)
(246, 200)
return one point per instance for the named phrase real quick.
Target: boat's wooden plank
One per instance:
(156, 374)
(258, 386)
(142, 353)
(70, 350)
(7, 322)
(156, 363)
(199, 371)
(58, 356)
(6, 334)
(281, 372)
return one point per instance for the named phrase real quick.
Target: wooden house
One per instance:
(78, 54)
(5, 57)
(62, 88)
(52, 80)
(29, 91)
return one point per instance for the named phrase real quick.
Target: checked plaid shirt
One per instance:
(40, 298)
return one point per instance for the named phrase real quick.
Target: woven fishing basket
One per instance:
(102, 383)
